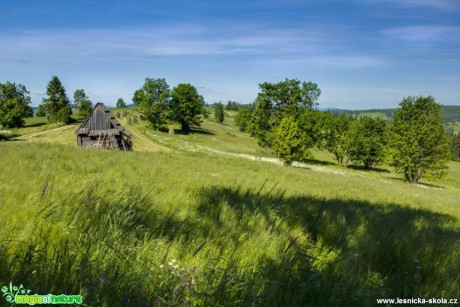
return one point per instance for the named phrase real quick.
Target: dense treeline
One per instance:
(284, 120)
(449, 114)
(233, 106)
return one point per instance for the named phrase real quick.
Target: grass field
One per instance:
(455, 126)
(191, 220)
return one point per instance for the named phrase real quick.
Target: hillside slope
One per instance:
(192, 220)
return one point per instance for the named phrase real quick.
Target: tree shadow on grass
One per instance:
(319, 162)
(195, 131)
(369, 250)
(202, 131)
(35, 125)
(420, 184)
(328, 251)
(372, 169)
(9, 137)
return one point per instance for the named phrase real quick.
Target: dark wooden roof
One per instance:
(101, 120)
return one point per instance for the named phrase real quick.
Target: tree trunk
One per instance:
(185, 128)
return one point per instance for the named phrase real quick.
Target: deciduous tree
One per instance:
(41, 111)
(153, 101)
(82, 102)
(418, 140)
(367, 141)
(14, 104)
(243, 118)
(314, 124)
(276, 101)
(186, 105)
(290, 143)
(121, 103)
(336, 137)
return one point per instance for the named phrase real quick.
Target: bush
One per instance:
(219, 112)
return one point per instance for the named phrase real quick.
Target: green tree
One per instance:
(82, 102)
(40, 111)
(121, 103)
(337, 140)
(455, 146)
(14, 104)
(276, 101)
(57, 105)
(232, 106)
(204, 112)
(219, 112)
(243, 119)
(262, 123)
(417, 139)
(290, 143)
(186, 106)
(367, 141)
(153, 101)
(314, 124)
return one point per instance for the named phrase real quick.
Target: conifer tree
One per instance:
(219, 112)
(57, 105)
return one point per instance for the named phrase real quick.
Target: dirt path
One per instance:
(34, 134)
(316, 168)
(143, 143)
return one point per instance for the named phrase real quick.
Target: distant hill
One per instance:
(449, 114)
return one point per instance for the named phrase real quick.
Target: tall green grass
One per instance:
(146, 229)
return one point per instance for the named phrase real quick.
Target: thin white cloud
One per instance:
(446, 5)
(424, 34)
(181, 40)
(329, 62)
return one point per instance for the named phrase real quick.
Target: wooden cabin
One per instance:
(101, 130)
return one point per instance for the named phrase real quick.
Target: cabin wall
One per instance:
(84, 141)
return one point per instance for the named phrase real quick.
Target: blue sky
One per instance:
(361, 53)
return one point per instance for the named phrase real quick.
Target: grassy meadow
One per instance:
(208, 220)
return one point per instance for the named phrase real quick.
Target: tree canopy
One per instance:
(153, 101)
(14, 104)
(418, 140)
(367, 141)
(276, 101)
(82, 102)
(160, 106)
(291, 143)
(121, 103)
(186, 105)
(336, 137)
